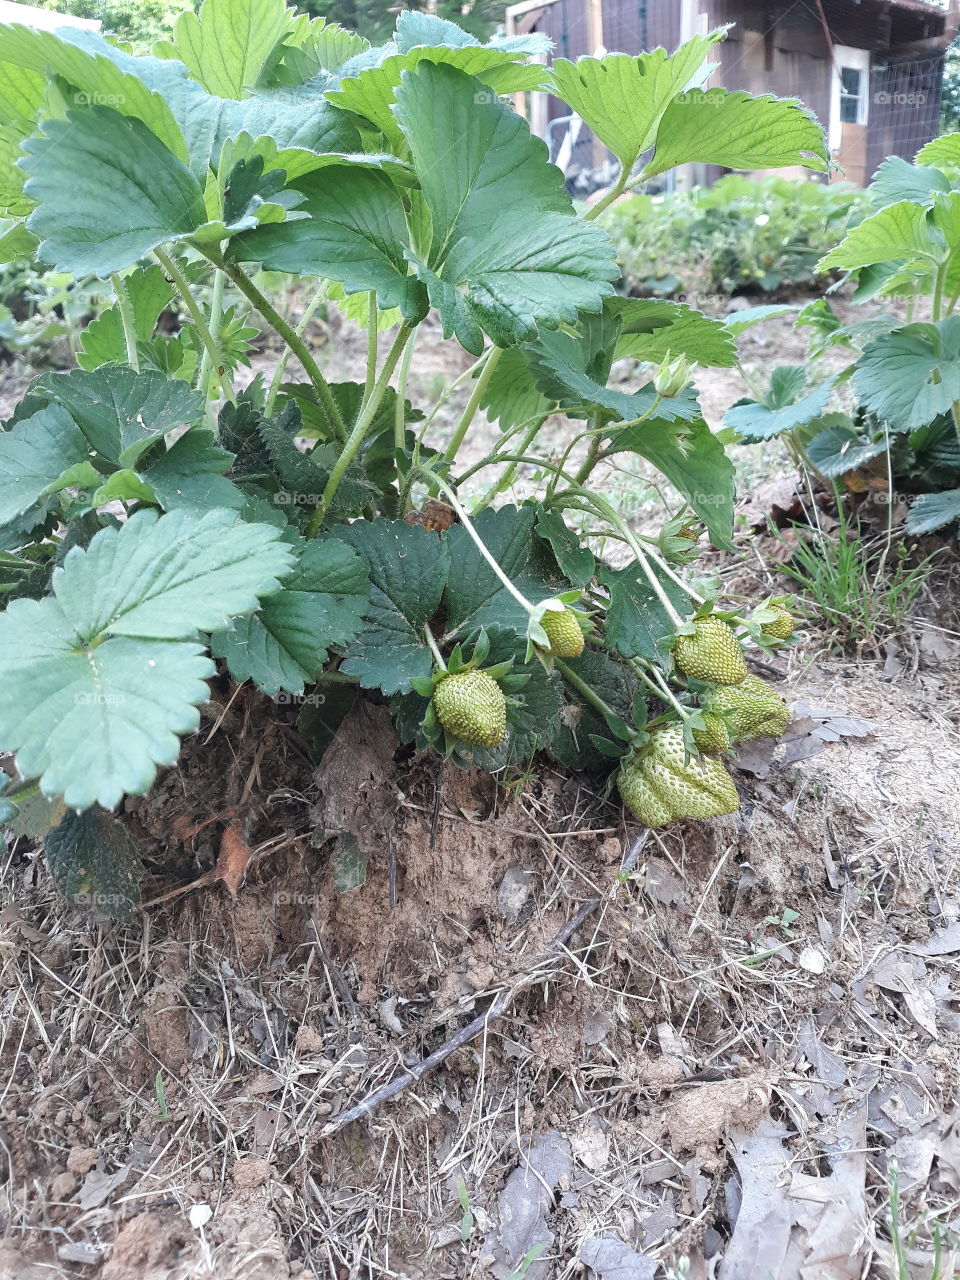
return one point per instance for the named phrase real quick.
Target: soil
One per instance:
(750, 1038)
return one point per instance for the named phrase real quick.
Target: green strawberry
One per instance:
(639, 797)
(781, 628)
(471, 706)
(688, 788)
(754, 709)
(713, 739)
(661, 785)
(713, 653)
(566, 637)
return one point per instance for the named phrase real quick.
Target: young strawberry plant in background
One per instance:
(154, 518)
(891, 418)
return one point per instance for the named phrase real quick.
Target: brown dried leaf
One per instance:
(233, 858)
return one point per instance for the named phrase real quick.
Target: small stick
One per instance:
(475, 1028)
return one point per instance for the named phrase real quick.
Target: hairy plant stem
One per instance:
(311, 310)
(658, 686)
(362, 426)
(372, 335)
(293, 340)
(400, 416)
(128, 320)
(590, 461)
(196, 315)
(473, 404)
(434, 647)
(216, 315)
(614, 193)
(479, 543)
(506, 479)
(585, 691)
(641, 559)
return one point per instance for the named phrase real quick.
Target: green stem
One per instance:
(506, 479)
(955, 414)
(938, 288)
(128, 320)
(400, 416)
(481, 545)
(644, 564)
(291, 338)
(357, 436)
(615, 191)
(585, 691)
(372, 335)
(479, 389)
(216, 314)
(433, 647)
(590, 461)
(659, 687)
(312, 307)
(196, 315)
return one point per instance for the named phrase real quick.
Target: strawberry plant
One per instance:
(890, 420)
(156, 520)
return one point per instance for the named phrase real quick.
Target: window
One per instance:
(850, 90)
(851, 96)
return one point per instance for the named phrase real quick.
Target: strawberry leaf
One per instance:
(911, 375)
(408, 570)
(286, 642)
(636, 619)
(107, 192)
(95, 863)
(506, 256)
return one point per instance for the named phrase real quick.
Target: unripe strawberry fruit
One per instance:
(662, 785)
(755, 710)
(713, 653)
(563, 629)
(713, 739)
(639, 797)
(781, 628)
(471, 706)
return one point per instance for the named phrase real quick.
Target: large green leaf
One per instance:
(189, 475)
(372, 92)
(738, 131)
(910, 376)
(34, 454)
(507, 254)
(121, 412)
(895, 233)
(653, 329)
(637, 621)
(475, 598)
(166, 578)
(932, 511)
(786, 405)
(944, 151)
(101, 677)
(95, 863)
(107, 192)
(694, 461)
(285, 644)
(226, 46)
(622, 99)
(511, 395)
(506, 535)
(838, 448)
(356, 234)
(896, 180)
(93, 71)
(408, 570)
(612, 681)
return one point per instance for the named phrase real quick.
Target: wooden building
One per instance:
(870, 70)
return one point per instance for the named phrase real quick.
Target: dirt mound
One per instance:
(748, 1030)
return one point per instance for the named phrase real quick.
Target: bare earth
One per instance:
(726, 1071)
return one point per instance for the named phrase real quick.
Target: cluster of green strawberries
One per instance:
(663, 775)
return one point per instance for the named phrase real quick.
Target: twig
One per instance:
(339, 981)
(498, 1006)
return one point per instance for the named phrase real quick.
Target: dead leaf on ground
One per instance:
(233, 858)
(614, 1260)
(524, 1204)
